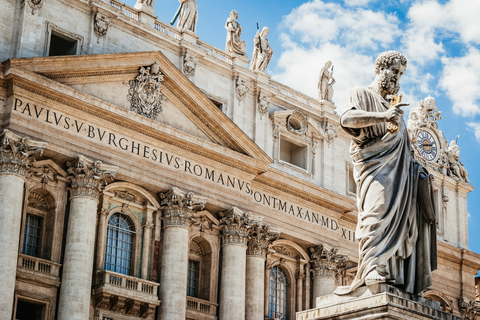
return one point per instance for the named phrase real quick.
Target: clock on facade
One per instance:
(427, 145)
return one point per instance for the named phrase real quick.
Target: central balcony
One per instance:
(125, 294)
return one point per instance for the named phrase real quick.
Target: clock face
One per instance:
(428, 145)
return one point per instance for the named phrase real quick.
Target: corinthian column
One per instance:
(235, 227)
(87, 178)
(16, 154)
(261, 237)
(178, 208)
(326, 264)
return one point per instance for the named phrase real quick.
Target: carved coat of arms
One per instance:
(145, 94)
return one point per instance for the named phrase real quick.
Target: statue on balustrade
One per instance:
(262, 52)
(325, 79)
(234, 44)
(396, 228)
(188, 16)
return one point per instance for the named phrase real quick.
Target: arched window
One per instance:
(118, 250)
(277, 301)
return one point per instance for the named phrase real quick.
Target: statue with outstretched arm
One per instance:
(396, 228)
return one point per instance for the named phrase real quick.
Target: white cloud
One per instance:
(318, 22)
(357, 3)
(475, 127)
(300, 69)
(461, 81)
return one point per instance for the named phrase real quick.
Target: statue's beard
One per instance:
(390, 87)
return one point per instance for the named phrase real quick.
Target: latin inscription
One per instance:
(186, 166)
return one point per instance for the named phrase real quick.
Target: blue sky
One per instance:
(441, 39)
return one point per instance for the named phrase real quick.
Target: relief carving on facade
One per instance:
(125, 195)
(263, 104)
(236, 225)
(34, 4)
(314, 153)
(282, 250)
(331, 132)
(189, 65)
(261, 237)
(100, 24)
(88, 177)
(178, 207)
(327, 262)
(145, 94)
(241, 88)
(16, 153)
(276, 137)
(37, 201)
(469, 309)
(297, 123)
(45, 173)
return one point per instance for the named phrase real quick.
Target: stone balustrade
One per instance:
(38, 265)
(203, 306)
(167, 29)
(215, 52)
(295, 95)
(126, 10)
(131, 285)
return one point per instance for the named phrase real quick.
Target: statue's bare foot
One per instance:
(373, 277)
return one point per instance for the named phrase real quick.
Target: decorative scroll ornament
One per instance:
(88, 177)
(263, 104)
(178, 207)
(34, 4)
(189, 65)
(16, 153)
(469, 309)
(45, 174)
(241, 89)
(261, 237)
(100, 25)
(125, 195)
(297, 123)
(282, 250)
(331, 132)
(235, 226)
(37, 201)
(314, 153)
(145, 94)
(327, 262)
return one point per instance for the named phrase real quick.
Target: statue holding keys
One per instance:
(396, 227)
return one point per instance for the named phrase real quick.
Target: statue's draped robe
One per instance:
(188, 15)
(325, 76)
(396, 227)
(234, 44)
(261, 58)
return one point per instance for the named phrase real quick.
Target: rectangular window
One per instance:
(61, 45)
(293, 154)
(193, 277)
(27, 310)
(31, 235)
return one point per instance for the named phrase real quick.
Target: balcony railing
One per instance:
(295, 95)
(202, 306)
(132, 285)
(125, 9)
(167, 29)
(38, 265)
(215, 52)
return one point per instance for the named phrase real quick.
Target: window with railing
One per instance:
(31, 235)
(277, 302)
(193, 278)
(119, 246)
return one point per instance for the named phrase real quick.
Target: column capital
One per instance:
(300, 276)
(327, 262)
(235, 226)
(87, 177)
(261, 237)
(178, 207)
(469, 309)
(16, 153)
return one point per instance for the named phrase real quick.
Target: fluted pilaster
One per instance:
(16, 155)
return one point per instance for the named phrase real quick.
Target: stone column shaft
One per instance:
(87, 180)
(178, 208)
(232, 290)
(255, 288)
(15, 158)
(300, 278)
(147, 236)
(102, 231)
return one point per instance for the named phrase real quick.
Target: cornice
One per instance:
(127, 123)
(96, 73)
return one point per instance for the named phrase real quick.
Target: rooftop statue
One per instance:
(188, 15)
(396, 227)
(234, 44)
(324, 80)
(262, 52)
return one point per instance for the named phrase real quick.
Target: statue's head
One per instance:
(265, 31)
(389, 67)
(234, 14)
(328, 64)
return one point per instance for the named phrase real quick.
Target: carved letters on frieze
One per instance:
(145, 94)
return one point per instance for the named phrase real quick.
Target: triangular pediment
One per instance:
(184, 107)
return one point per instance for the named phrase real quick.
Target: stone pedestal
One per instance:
(15, 158)
(379, 301)
(87, 180)
(177, 208)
